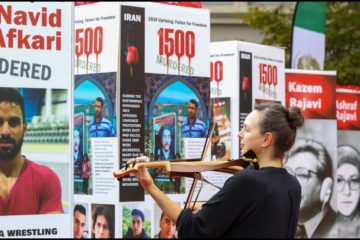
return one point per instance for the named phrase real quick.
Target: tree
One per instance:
(342, 42)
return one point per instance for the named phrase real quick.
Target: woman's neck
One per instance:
(266, 159)
(271, 163)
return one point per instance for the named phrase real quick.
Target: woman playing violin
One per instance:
(252, 203)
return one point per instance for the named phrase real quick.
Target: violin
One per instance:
(185, 168)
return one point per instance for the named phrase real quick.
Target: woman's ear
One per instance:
(268, 139)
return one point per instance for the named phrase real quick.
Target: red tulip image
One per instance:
(245, 85)
(132, 58)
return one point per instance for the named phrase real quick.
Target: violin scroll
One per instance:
(132, 167)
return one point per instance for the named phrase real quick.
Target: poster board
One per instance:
(147, 51)
(246, 73)
(348, 149)
(36, 59)
(314, 93)
(97, 32)
(241, 75)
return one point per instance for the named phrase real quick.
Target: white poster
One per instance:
(348, 162)
(247, 73)
(175, 42)
(312, 159)
(130, 55)
(224, 82)
(242, 74)
(96, 38)
(36, 68)
(268, 64)
(96, 56)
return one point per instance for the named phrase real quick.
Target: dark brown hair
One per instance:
(193, 101)
(282, 122)
(104, 211)
(12, 95)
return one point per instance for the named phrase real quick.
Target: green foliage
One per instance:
(126, 219)
(343, 41)
(147, 226)
(275, 26)
(342, 36)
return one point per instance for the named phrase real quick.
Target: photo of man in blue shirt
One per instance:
(193, 127)
(99, 126)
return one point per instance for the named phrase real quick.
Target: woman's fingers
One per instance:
(143, 159)
(131, 161)
(138, 160)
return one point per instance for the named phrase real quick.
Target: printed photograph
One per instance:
(81, 224)
(136, 221)
(40, 141)
(221, 138)
(102, 221)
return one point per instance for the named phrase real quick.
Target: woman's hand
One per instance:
(142, 175)
(167, 205)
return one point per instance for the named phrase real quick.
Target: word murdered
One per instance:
(24, 69)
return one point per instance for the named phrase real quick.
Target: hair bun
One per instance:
(295, 117)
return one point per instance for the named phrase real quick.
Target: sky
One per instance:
(87, 92)
(171, 94)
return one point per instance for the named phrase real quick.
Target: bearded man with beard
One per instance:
(25, 186)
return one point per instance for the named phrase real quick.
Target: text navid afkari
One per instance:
(29, 232)
(18, 38)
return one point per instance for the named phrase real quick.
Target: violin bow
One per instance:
(184, 168)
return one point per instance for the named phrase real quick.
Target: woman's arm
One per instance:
(168, 206)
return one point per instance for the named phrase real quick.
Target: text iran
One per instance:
(132, 17)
